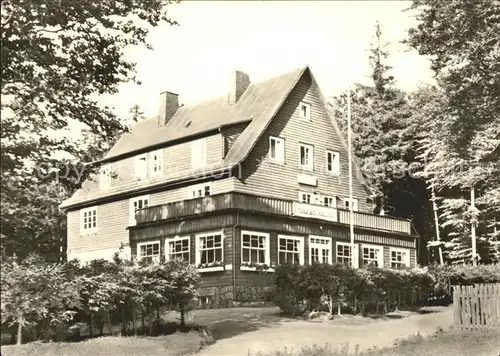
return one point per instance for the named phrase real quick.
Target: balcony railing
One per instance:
(260, 204)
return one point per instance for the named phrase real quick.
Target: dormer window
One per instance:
(156, 162)
(305, 111)
(141, 167)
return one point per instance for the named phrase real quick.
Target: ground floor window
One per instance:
(400, 258)
(344, 253)
(149, 251)
(320, 249)
(255, 248)
(209, 249)
(178, 248)
(372, 255)
(290, 249)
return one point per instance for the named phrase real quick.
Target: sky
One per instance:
(265, 39)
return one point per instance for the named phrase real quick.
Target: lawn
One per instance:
(451, 343)
(170, 345)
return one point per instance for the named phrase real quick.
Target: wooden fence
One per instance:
(476, 306)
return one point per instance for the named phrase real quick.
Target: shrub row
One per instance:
(380, 290)
(47, 297)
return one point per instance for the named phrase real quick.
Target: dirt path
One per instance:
(296, 334)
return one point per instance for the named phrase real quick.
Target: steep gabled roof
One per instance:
(206, 116)
(258, 105)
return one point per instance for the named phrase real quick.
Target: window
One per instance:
(290, 249)
(346, 204)
(277, 149)
(199, 153)
(400, 258)
(255, 248)
(105, 177)
(88, 220)
(200, 190)
(149, 251)
(136, 204)
(344, 253)
(305, 197)
(329, 201)
(305, 111)
(306, 158)
(333, 162)
(156, 162)
(372, 255)
(178, 248)
(141, 167)
(320, 249)
(209, 249)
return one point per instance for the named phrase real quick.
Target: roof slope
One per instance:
(207, 115)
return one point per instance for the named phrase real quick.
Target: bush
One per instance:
(58, 299)
(321, 286)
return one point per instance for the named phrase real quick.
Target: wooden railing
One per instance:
(260, 204)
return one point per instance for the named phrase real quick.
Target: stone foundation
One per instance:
(226, 296)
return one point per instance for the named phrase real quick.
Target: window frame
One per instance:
(300, 239)
(307, 117)
(152, 161)
(93, 229)
(310, 166)
(346, 200)
(282, 141)
(407, 261)
(176, 239)
(193, 188)
(145, 243)
(199, 153)
(344, 244)
(334, 201)
(132, 221)
(105, 177)
(310, 195)
(197, 251)
(335, 171)
(329, 245)
(380, 258)
(267, 249)
(137, 159)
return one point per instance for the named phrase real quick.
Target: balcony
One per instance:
(253, 203)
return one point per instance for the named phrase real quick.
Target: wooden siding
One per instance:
(114, 218)
(261, 204)
(175, 158)
(260, 175)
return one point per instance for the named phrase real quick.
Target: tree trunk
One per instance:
(19, 332)
(150, 319)
(124, 324)
(330, 304)
(181, 309)
(134, 318)
(355, 305)
(110, 329)
(143, 316)
(91, 324)
(158, 316)
(46, 329)
(338, 309)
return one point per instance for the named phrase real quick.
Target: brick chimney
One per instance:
(169, 103)
(238, 83)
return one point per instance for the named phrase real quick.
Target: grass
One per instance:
(176, 344)
(452, 343)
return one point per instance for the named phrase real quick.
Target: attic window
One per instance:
(305, 111)
(187, 124)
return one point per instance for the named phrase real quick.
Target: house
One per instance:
(254, 178)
